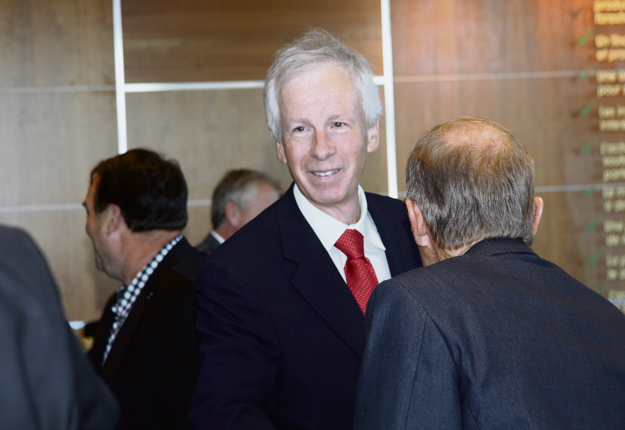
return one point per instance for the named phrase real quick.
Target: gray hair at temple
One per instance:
(239, 187)
(315, 48)
(473, 180)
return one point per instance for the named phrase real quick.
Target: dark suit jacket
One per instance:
(46, 382)
(495, 339)
(208, 245)
(282, 333)
(153, 363)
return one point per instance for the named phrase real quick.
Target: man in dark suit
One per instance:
(237, 199)
(280, 307)
(488, 335)
(146, 344)
(46, 382)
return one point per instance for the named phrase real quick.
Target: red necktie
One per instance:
(361, 278)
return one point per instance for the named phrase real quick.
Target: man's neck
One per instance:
(140, 248)
(348, 212)
(444, 254)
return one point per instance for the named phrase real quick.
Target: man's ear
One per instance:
(114, 218)
(233, 214)
(418, 226)
(538, 213)
(281, 153)
(373, 137)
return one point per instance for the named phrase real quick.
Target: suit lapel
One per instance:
(102, 334)
(124, 338)
(213, 243)
(393, 234)
(316, 276)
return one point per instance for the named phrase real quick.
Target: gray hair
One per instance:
(472, 179)
(239, 187)
(315, 48)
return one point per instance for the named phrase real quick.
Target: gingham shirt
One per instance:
(126, 296)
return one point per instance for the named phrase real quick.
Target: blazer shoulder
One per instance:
(385, 201)
(424, 283)
(23, 267)
(17, 245)
(259, 237)
(190, 265)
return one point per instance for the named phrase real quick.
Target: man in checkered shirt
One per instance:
(146, 345)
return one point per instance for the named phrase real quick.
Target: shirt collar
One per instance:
(328, 229)
(217, 236)
(143, 275)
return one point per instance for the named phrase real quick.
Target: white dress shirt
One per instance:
(328, 229)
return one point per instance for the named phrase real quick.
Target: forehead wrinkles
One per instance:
(318, 91)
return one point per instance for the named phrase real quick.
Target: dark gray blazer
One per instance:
(46, 382)
(282, 335)
(495, 339)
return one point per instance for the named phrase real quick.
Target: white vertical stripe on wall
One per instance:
(120, 92)
(389, 99)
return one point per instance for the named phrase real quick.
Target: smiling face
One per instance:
(325, 140)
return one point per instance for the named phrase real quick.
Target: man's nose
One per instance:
(322, 146)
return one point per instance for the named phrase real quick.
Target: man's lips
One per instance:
(325, 173)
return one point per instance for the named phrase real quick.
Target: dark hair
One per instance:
(236, 186)
(150, 190)
(472, 179)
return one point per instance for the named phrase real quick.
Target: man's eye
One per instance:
(299, 129)
(339, 124)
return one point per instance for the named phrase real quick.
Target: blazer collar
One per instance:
(316, 277)
(125, 337)
(499, 246)
(396, 253)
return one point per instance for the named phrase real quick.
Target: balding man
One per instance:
(488, 335)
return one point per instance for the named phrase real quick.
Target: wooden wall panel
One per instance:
(208, 132)
(461, 37)
(57, 119)
(52, 43)
(528, 65)
(201, 40)
(531, 109)
(49, 144)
